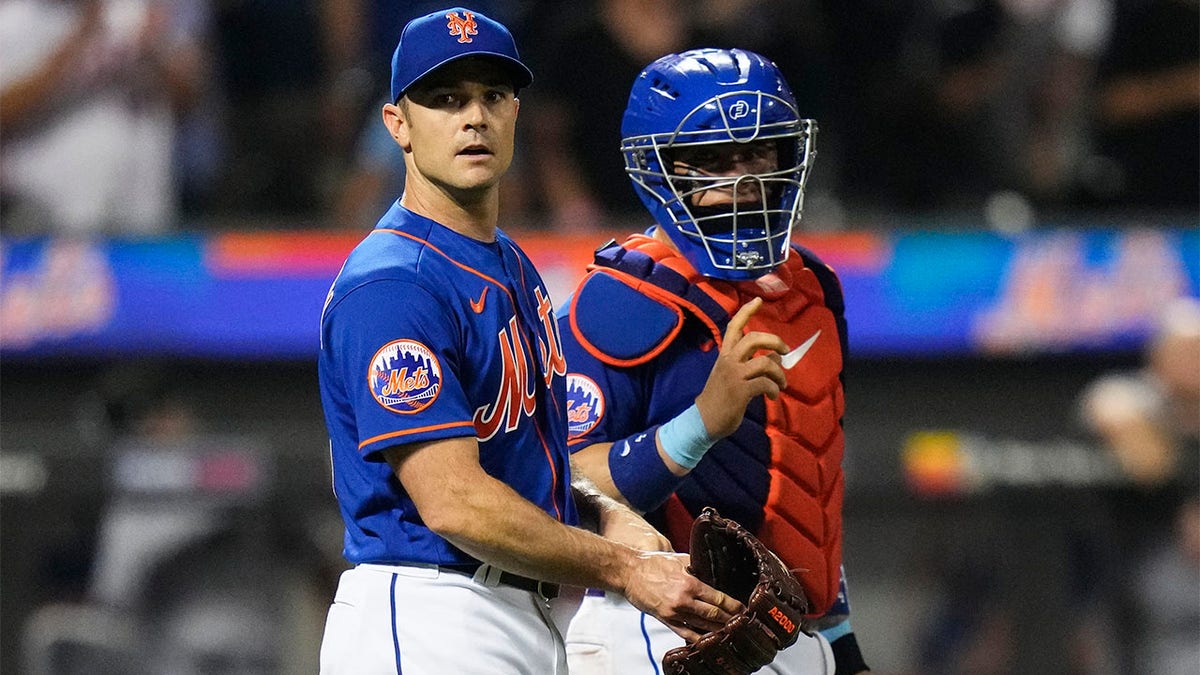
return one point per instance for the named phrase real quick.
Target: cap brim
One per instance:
(522, 76)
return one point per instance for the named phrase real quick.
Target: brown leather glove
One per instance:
(729, 558)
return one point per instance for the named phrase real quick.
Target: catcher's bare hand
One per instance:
(661, 586)
(739, 375)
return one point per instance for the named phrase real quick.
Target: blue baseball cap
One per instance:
(431, 41)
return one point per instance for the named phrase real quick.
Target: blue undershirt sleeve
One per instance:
(639, 472)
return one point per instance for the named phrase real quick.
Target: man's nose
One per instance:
(475, 114)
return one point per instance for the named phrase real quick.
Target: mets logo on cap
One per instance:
(462, 28)
(404, 376)
(585, 405)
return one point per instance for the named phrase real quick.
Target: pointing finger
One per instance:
(733, 332)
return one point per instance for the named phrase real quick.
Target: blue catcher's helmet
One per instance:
(683, 103)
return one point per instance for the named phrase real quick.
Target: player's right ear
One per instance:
(397, 124)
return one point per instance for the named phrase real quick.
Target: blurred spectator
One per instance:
(1150, 418)
(243, 601)
(358, 37)
(584, 61)
(1148, 109)
(792, 33)
(196, 570)
(296, 87)
(1166, 593)
(92, 93)
(971, 629)
(960, 155)
(1054, 48)
(975, 108)
(868, 93)
(373, 178)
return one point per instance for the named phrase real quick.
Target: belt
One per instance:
(545, 589)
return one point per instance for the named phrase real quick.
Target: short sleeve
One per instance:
(397, 350)
(604, 404)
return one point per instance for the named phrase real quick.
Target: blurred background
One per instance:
(1009, 190)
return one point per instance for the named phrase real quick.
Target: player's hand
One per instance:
(741, 373)
(622, 524)
(660, 585)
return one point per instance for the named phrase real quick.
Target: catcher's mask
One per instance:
(717, 151)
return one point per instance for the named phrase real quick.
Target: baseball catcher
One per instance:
(675, 400)
(727, 557)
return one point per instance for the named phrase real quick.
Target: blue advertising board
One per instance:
(910, 293)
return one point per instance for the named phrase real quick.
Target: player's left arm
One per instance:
(611, 518)
(835, 627)
(596, 462)
(643, 469)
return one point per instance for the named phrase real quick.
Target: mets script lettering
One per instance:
(553, 360)
(578, 412)
(516, 396)
(463, 28)
(400, 382)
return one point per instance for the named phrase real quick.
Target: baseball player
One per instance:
(706, 354)
(443, 387)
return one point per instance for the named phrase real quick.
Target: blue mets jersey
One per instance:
(429, 334)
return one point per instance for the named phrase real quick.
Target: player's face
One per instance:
(726, 160)
(460, 123)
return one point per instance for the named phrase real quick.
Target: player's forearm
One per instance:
(590, 473)
(639, 470)
(498, 526)
(611, 518)
(591, 483)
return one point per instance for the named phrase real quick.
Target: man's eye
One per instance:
(762, 150)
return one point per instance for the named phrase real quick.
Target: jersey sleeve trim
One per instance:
(409, 432)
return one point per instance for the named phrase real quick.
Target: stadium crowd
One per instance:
(161, 115)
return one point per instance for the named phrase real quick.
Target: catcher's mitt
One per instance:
(730, 559)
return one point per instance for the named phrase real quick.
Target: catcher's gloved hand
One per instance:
(727, 557)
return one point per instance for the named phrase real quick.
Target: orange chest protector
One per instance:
(800, 442)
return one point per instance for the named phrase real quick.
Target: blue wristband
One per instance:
(639, 473)
(685, 439)
(834, 632)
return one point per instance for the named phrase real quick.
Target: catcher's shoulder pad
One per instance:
(618, 323)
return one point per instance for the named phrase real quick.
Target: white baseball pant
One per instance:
(421, 620)
(609, 636)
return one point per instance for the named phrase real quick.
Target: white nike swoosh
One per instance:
(793, 357)
(624, 452)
